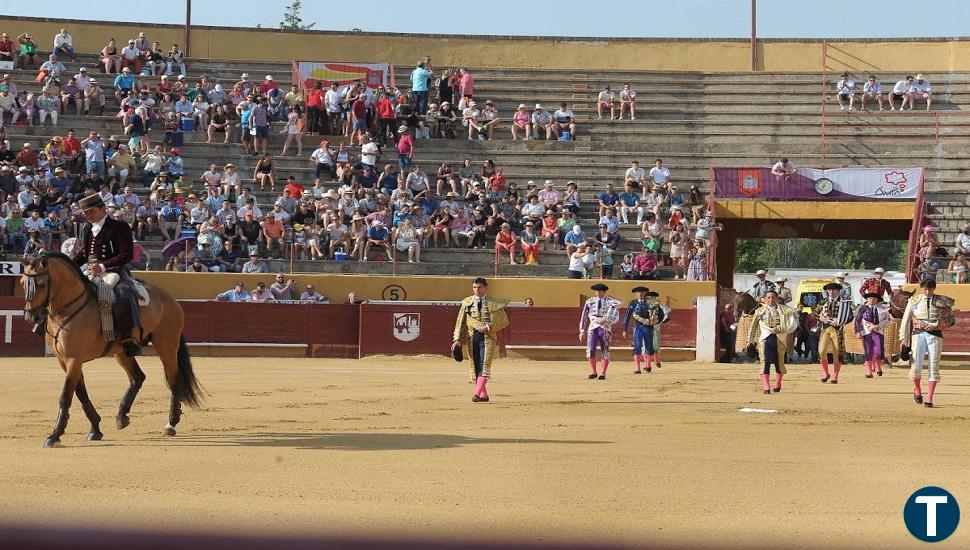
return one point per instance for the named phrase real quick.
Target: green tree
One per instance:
(292, 20)
(754, 254)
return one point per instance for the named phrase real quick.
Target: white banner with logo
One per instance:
(343, 73)
(870, 183)
(11, 269)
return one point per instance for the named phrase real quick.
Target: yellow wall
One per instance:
(489, 52)
(545, 292)
(815, 210)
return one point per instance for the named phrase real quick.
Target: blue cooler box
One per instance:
(340, 256)
(187, 124)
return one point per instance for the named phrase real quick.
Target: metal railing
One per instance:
(919, 219)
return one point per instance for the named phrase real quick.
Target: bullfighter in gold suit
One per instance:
(480, 319)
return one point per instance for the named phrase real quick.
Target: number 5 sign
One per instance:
(395, 293)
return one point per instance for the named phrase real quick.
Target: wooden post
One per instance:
(754, 35)
(188, 25)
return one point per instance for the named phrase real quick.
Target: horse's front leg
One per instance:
(71, 380)
(82, 395)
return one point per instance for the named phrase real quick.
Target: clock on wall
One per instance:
(824, 186)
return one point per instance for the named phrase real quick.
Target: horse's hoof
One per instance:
(170, 432)
(95, 436)
(51, 442)
(123, 422)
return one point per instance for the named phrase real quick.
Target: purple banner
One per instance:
(842, 184)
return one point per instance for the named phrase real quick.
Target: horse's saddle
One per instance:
(106, 283)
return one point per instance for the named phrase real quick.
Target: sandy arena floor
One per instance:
(394, 447)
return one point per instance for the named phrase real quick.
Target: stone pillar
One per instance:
(706, 338)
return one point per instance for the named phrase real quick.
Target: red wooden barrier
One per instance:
(16, 338)
(406, 329)
(559, 326)
(330, 330)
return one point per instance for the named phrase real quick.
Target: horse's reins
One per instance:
(29, 295)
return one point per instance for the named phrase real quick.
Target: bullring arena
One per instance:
(350, 425)
(391, 447)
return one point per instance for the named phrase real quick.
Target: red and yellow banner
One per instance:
(343, 73)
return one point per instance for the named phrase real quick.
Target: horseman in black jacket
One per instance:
(105, 246)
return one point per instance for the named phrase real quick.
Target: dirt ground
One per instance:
(394, 447)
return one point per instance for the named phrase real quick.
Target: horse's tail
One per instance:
(187, 389)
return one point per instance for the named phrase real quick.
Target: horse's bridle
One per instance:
(31, 290)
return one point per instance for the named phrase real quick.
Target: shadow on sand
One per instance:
(376, 441)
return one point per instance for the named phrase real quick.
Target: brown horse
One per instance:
(744, 304)
(897, 302)
(56, 291)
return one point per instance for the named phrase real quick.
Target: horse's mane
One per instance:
(77, 270)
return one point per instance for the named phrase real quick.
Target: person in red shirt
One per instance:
(315, 109)
(26, 157)
(358, 119)
(497, 184)
(71, 147)
(505, 242)
(267, 84)
(295, 189)
(405, 148)
(386, 118)
(645, 265)
(6, 49)
(877, 285)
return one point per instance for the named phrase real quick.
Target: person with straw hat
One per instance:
(784, 293)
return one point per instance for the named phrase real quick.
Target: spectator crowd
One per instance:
(363, 205)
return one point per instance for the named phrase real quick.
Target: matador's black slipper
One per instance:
(602, 377)
(826, 379)
(918, 399)
(592, 376)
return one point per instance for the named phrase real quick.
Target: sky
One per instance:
(643, 18)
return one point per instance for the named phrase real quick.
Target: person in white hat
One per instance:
(846, 293)
(920, 89)
(268, 84)
(542, 120)
(521, 121)
(761, 286)
(784, 293)
(877, 285)
(246, 84)
(377, 235)
(469, 119)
